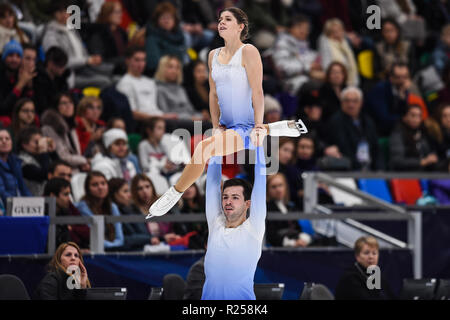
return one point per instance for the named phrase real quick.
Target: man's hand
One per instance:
(94, 60)
(25, 76)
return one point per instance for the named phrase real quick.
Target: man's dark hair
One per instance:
(240, 182)
(131, 51)
(297, 19)
(59, 5)
(57, 163)
(57, 56)
(27, 46)
(397, 65)
(55, 186)
(25, 136)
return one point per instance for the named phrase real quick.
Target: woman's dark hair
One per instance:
(239, 182)
(55, 186)
(151, 123)
(162, 8)
(114, 185)
(70, 121)
(98, 206)
(343, 69)
(134, 188)
(25, 136)
(297, 19)
(241, 17)
(15, 123)
(396, 25)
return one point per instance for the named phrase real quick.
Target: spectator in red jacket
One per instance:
(89, 126)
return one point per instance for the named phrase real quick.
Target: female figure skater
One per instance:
(236, 102)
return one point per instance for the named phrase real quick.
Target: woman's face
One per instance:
(123, 196)
(286, 152)
(413, 118)
(166, 21)
(119, 124)
(27, 113)
(116, 15)
(173, 69)
(305, 149)
(8, 21)
(158, 130)
(200, 73)
(336, 75)
(5, 142)
(144, 191)
(33, 145)
(445, 118)
(389, 33)
(277, 188)
(228, 26)
(93, 111)
(368, 256)
(190, 193)
(337, 32)
(66, 107)
(70, 257)
(98, 187)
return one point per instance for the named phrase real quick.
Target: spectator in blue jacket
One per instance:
(11, 179)
(97, 202)
(441, 53)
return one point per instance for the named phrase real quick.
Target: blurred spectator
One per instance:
(294, 58)
(15, 79)
(441, 54)
(286, 233)
(392, 49)
(286, 165)
(272, 109)
(389, 99)
(11, 180)
(333, 46)
(78, 233)
(199, 23)
(89, 126)
(97, 202)
(115, 163)
(354, 133)
(34, 151)
(87, 70)
(9, 29)
(136, 234)
(59, 124)
(60, 169)
(409, 144)
(51, 79)
(197, 87)
(116, 123)
(330, 91)
(23, 116)
(353, 284)
(140, 90)
(54, 285)
(444, 93)
(108, 39)
(195, 280)
(438, 128)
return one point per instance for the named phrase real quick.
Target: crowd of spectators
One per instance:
(102, 102)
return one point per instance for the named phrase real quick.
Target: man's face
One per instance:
(5, 142)
(61, 171)
(55, 70)
(300, 31)
(29, 59)
(368, 256)
(136, 64)
(233, 203)
(63, 198)
(305, 149)
(13, 61)
(351, 104)
(399, 77)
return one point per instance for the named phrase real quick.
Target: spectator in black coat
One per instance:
(54, 285)
(195, 280)
(438, 127)
(197, 87)
(330, 91)
(353, 284)
(354, 133)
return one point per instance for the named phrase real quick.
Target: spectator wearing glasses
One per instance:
(23, 116)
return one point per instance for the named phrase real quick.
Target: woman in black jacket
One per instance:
(353, 285)
(54, 286)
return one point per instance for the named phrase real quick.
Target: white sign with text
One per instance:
(28, 207)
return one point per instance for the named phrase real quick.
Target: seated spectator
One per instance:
(353, 284)
(51, 78)
(89, 126)
(78, 233)
(140, 90)
(54, 285)
(60, 169)
(392, 49)
(438, 128)
(59, 124)
(330, 91)
(14, 78)
(444, 93)
(34, 151)
(196, 85)
(333, 46)
(410, 147)
(97, 202)
(87, 70)
(136, 234)
(108, 39)
(143, 194)
(441, 53)
(12, 183)
(294, 58)
(9, 29)
(354, 133)
(115, 163)
(195, 280)
(23, 116)
(283, 233)
(388, 99)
